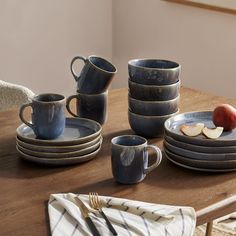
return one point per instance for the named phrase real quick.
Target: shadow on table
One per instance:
(106, 187)
(171, 176)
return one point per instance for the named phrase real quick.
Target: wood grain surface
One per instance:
(26, 187)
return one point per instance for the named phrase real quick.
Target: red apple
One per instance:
(224, 115)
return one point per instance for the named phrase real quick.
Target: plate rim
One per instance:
(68, 147)
(54, 155)
(60, 142)
(195, 140)
(59, 161)
(198, 169)
(216, 148)
(220, 156)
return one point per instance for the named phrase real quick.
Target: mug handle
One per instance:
(21, 114)
(68, 100)
(72, 63)
(158, 159)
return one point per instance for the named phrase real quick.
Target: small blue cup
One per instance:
(129, 158)
(48, 117)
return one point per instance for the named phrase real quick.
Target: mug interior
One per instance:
(102, 64)
(154, 63)
(129, 140)
(49, 97)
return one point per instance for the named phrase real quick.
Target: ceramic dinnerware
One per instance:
(96, 75)
(154, 92)
(173, 124)
(153, 108)
(198, 148)
(200, 155)
(148, 126)
(196, 168)
(59, 148)
(129, 158)
(77, 131)
(78, 153)
(48, 115)
(154, 71)
(90, 106)
(228, 164)
(58, 161)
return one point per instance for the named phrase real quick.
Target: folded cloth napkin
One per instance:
(13, 95)
(128, 217)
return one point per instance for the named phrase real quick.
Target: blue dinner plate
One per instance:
(77, 131)
(173, 124)
(205, 166)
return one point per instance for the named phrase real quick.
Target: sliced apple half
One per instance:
(192, 130)
(213, 133)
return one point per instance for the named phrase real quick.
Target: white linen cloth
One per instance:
(13, 95)
(128, 217)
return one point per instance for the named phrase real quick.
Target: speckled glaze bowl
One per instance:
(148, 126)
(153, 108)
(154, 71)
(154, 92)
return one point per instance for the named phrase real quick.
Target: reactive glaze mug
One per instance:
(95, 76)
(48, 117)
(129, 158)
(90, 106)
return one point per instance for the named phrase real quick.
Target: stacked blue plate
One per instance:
(199, 153)
(80, 142)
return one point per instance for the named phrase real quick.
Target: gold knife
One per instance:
(85, 212)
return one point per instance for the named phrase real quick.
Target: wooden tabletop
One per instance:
(26, 187)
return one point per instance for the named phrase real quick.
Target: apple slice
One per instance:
(213, 133)
(192, 130)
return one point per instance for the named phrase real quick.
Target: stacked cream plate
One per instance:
(80, 142)
(154, 87)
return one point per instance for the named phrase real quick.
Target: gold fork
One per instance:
(95, 203)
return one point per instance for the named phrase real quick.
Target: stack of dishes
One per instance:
(80, 142)
(153, 95)
(199, 153)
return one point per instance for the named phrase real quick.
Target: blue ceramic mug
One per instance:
(48, 117)
(95, 76)
(129, 158)
(90, 106)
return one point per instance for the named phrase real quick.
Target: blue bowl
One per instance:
(154, 92)
(153, 108)
(148, 126)
(154, 71)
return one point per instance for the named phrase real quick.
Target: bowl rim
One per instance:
(154, 86)
(132, 61)
(153, 102)
(154, 117)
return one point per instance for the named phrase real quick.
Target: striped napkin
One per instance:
(128, 217)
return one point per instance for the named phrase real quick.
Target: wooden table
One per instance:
(25, 187)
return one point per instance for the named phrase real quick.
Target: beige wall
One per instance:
(39, 38)
(202, 41)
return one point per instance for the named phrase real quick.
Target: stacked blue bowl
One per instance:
(154, 93)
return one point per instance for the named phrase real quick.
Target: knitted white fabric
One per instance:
(13, 95)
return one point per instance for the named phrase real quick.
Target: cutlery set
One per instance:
(96, 204)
